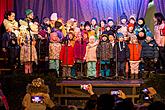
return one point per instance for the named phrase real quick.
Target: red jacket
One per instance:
(135, 51)
(67, 55)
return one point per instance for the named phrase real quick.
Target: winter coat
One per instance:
(135, 51)
(90, 54)
(121, 50)
(104, 51)
(149, 49)
(79, 50)
(160, 39)
(54, 51)
(67, 55)
(41, 91)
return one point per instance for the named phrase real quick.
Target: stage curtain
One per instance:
(113, 8)
(4, 6)
(160, 6)
(82, 9)
(44, 8)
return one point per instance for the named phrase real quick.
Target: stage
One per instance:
(71, 94)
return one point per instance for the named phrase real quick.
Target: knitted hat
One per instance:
(123, 16)
(149, 34)
(53, 16)
(118, 35)
(28, 12)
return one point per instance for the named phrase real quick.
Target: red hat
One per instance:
(130, 25)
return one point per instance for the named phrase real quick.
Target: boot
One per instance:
(136, 76)
(132, 76)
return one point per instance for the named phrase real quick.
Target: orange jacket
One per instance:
(135, 51)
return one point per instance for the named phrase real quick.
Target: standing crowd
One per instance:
(89, 49)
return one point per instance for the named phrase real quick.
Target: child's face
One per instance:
(123, 21)
(121, 39)
(91, 40)
(108, 28)
(102, 24)
(85, 36)
(70, 36)
(104, 38)
(82, 27)
(141, 34)
(11, 17)
(140, 22)
(87, 28)
(93, 22)
(111, 38)
(130, 29)
(132, 21)
(148, 38)
(111, 23)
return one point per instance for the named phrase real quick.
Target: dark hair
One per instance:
(8, 13)
(159, 17)
(101, 21)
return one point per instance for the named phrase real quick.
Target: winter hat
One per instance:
(149, 34)
(110, 33)
(133, 16)
(110, 19)
(130, 25)
(42, 33)
(28, 12)
(118, 35)
(104, 35)
(123, 16)
(58, 24)
(87, 23)
(94, 19)
(53, 16)
(142, 20)
(82, 23)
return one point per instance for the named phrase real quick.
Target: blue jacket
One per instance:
(149, 49)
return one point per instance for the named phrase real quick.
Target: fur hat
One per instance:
(28, 12)
(123, 16)
(118, 35)
(53, 16)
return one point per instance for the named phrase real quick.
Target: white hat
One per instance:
(53, 16)
(133, 16)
